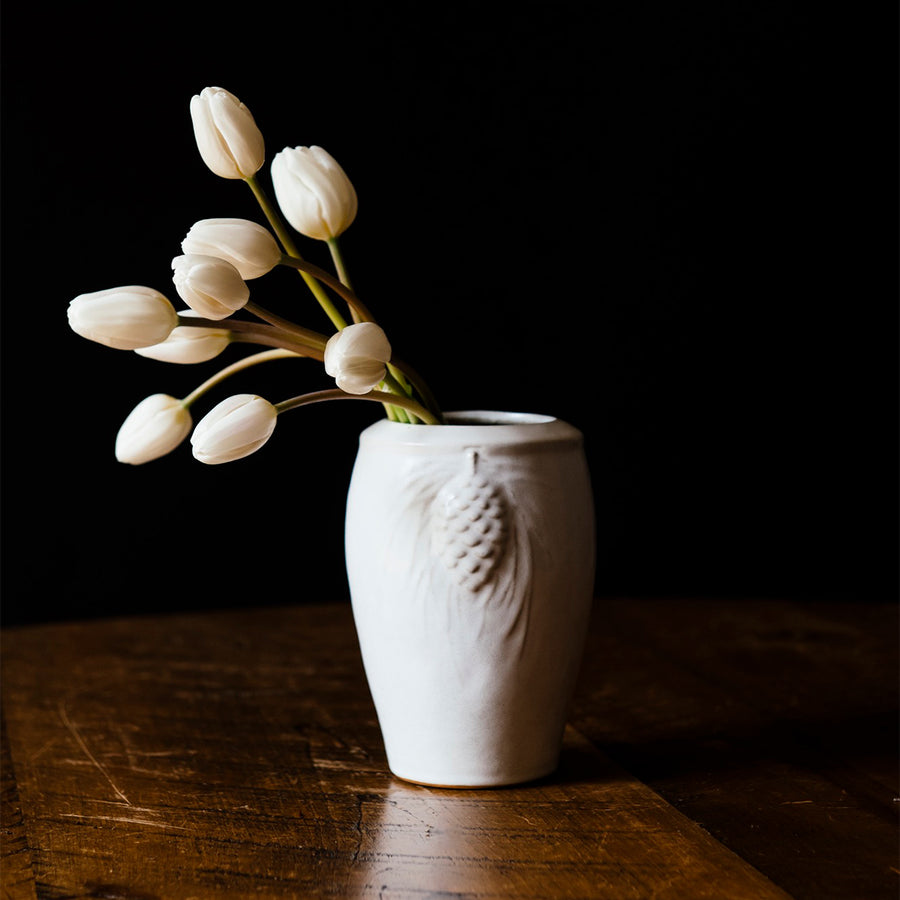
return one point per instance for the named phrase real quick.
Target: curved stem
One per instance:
(274, 340)
(283, 233)
(418, 384)
(261, 334)
(396, 380)
(399, 372)
(355, 304)
(304, 334)
(378, 396)
(244, 363)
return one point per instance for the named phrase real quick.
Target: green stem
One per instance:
(338, 259)
(304, 334)
(262, 334)
(340, 267)
(393, 385)
(398, 414)
(410, 376)
(378, 396)
(244, 363)
(360, 312)
(287, 242)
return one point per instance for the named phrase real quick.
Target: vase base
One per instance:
(475, 785)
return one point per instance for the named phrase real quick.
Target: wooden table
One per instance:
(720, 749)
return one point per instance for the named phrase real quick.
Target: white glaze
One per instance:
(470, 556)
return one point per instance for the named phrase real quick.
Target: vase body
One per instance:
(470, 557)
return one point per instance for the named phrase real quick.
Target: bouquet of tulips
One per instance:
(315, 198)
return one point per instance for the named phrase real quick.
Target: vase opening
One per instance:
(490, 417)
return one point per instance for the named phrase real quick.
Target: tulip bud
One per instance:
(228, 138)
(124, 318)
(211, 286)
(236, 427)
(314, 194)
(249, 247)
(355, 357)
(189, 345)
(155, 427)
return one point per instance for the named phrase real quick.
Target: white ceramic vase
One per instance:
(470, 557)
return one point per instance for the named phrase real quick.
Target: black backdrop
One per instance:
(673, 225)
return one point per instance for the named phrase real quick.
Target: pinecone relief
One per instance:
(470, 526)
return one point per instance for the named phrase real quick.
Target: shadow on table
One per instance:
(854, 753)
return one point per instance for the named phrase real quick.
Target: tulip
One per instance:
(155, 427)
(249, 247)
(355, 357)
(211, 286)
(236, 427)
(314, 194)
(228, 138)
(124, 318)
(189, 345)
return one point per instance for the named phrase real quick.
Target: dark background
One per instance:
(673, 225)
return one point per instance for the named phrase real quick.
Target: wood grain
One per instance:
(237, 754)
(16, 876)
(773, 724)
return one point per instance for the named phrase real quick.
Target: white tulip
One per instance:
(124, 318)
(249, 247)
(211, 286)
(355, 357)
(155, 427)
(236, 427)
(314, 193)
(228, 138)
(187, 344)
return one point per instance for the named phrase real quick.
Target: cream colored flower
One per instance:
(249, 247)
(124, 318)
(314, 193)
(355, 357)
(155, 427)
(235, 428)
(189, 345)
(228, 138)
(211, 286)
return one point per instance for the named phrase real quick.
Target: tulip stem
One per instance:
(338, 259)
(406, 403)
(361, 313)
(408, 375)
(303, 334)
(393, 386)
(341, 268)
(284, 235)
(273, 319)
(358, 309)
(263, 334)
(244, 363)
(315, 277)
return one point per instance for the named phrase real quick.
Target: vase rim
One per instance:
(476, 425)
(458, 418)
